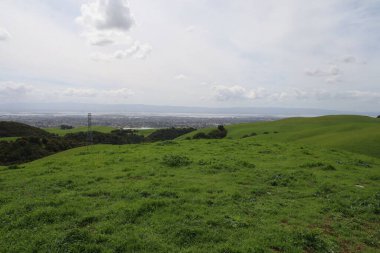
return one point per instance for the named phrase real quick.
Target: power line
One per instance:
(89, 129)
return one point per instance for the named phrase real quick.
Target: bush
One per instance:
(65, 127)
(313, 241)
(176, 160)
(282, 180)
(218, 133)
(13, 167)
(168, 134)
(200, 135)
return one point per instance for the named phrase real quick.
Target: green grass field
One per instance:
(102, 129)
(359, 134)
(145, 132)
(8, 138)
(275, 192)
(61, 132)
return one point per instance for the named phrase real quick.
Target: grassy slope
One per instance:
(17, 129)
(103, 129)
(243, 195)
(146, 132)
(8, 138)
(358, 134)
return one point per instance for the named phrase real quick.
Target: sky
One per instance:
(226, 53)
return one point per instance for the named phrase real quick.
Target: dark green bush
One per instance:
(176, 160)
(218, 133)
(200, 135)
(168, 134)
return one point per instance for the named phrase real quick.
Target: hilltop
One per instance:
(281, 190)
(359, 134)
(16, 129)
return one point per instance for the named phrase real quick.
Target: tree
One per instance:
(64, 127)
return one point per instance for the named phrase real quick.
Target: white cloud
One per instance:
(106, 15)
(14, 91)
(180, 77)
(236, 92)
(107, 23)
(244, 42)
(101, 41)
(4, 34)
(190, 29)
(359, 95)
(331, 70)
(333, 79)
(137, 50)
(92, 93)
(239, 93)
(331, 73)
(349, 59)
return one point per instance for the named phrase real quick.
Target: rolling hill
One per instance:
(16, 129)
(359, 134)
(291, 189)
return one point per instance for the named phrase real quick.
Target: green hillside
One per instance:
(8, 138)
(358, 134)
(16, 129)
(62, 132)
(295, 185)
(102, 129)
(242, 195)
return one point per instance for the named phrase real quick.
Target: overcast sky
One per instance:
(288, 53)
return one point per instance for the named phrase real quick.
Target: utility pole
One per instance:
(89, 129)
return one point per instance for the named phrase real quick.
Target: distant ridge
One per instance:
(16, 129)
(13, 108)
(358, 134)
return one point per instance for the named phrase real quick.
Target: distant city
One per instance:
(123, 121)
(147, 116)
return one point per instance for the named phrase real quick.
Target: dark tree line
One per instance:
(16, 129)
(34, 147)
(218, 133)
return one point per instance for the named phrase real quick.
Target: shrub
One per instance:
(13, 167)
(218, 133)
(325, 190)
(168, 134)
(200, 135)
(312, 165)
(65, 127)
(282, 180)
(313, 241)
(176, 160)
(328, 167)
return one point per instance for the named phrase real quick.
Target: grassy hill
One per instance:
(16, 129)
(102, 129)
(8, 138)
(62, 132)
(272, 192)
(359, 134)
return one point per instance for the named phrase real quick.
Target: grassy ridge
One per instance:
(17, 129)
(62, 132)
(8, 138)
(277, 191)
(242, 195)
(357, 134)
(102, 129)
